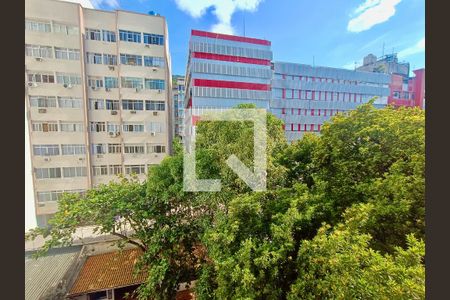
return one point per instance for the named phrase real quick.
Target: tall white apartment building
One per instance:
(98, 97)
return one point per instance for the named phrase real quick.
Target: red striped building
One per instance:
(226, 70)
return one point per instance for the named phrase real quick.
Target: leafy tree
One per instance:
(339, 264)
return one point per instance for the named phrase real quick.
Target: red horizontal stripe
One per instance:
(230, 37)
(231, 84)
(245, 60)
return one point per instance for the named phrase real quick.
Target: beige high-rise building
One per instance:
(98, 97)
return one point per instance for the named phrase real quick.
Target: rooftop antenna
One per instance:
(382, 51)
(355, 65)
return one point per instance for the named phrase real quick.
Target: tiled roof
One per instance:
(107, 271)
(43, 275)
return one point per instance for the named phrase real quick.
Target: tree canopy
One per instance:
(342, 217)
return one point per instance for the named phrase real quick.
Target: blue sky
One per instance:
(336, 33)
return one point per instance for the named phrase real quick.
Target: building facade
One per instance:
(387, 64)
(304, 97)
(98, 97)
(224, 71)
(178, 88)
(408, 91)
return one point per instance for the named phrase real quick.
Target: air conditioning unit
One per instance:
(81, 158)
(111, 68)
(94, 88)
(99, 155)
(152, 133)
(147, 46)
(138, 90)
(47, 159)
(132, 111)
(155, 69)
(155, 113)
(39, 59)
(114, 112)
(159, 91)
(107, 89)
(113, 133)
(32, 84)
(42, 110)
(67, 86)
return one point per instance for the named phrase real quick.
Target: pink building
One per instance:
(408, 91)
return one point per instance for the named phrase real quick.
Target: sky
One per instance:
(337, 33)
(334, 33)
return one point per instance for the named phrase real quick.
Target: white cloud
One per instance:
(417, 48)
(371, 13)
(84, 3)
(223, 10)
(110, 3)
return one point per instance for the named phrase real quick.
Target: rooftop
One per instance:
(108, 271)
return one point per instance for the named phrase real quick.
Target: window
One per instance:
(73, 149)
(37, 26)
(45, 150)
(93, 34)
(38, 51)
(49, 196)
(111, 82)
(41, 77)
(98, 148)
(44, 126)
(65, 78)
(130, 59)
(99, 170)
(69, 102)
(71, 127)
(153, 148)
(132, 104)
(130, 36)
(152, 61)
(96, 104)
(155, 105)
(110, 59)
(153, 39)
(134, 148)
(115, 169)
(109, 36)
(95, 82)
(47, 173)
(114, 148)
(97, 126)
(155, 127)
(112, 127)
(131, 82)
(134, 169)
(154, 84)
(133, 127)
(396, 95)
(42, 101)
(112, 104)
(64, 28)
(94, 58)
(67, 53)
(74, 172)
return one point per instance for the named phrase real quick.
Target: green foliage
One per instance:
(343, 216)
(339, 264)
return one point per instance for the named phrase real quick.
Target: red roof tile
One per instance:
(107, 271)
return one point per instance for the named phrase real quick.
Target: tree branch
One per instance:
(130, 241)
